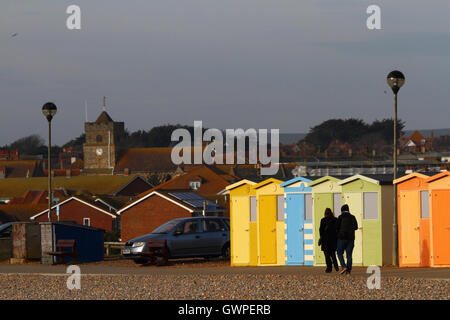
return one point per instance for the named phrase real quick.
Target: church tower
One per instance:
(101, 146)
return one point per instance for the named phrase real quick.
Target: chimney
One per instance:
(126, 171)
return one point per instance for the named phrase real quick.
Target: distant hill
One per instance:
(427, 132)
(291, 138)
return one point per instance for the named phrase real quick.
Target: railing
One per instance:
(113, 245)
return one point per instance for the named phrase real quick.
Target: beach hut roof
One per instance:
(438, 176)
(321, 180)
(410, 176)
(358, 177)
(295, 180)
(240, 183)
(266, 182)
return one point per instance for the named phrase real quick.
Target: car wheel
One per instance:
(140, 261)
(162, 260)
(226, 251)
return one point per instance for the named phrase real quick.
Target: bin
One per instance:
(439, 188)
(326, 193)
(270, 222)
(413, 220)
(243, 223)
(299, 245)
(371, 202)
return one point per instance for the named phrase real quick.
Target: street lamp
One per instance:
(395, 80)
(49, 110)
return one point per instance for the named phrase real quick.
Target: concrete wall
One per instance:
(5, 249)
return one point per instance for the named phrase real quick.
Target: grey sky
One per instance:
(231, 63)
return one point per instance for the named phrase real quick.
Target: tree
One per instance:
(76, 143)
(386, 128)
(352, 131)
(31, 145)
(348, 130)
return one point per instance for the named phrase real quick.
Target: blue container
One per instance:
(298, 222)
(89, 241)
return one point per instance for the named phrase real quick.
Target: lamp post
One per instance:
(395, 80)
(49, 110)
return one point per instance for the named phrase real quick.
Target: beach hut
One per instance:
(270, 222)
(413, 220)
(299, 244)
(371, 202)
(243, 223)
(439, 188)
(326, 193)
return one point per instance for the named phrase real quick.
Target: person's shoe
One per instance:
(343, 270)
(348, 271)
(336, 268)
(328, 270)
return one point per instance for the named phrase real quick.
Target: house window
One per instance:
(280, 208)
(308, 206)
(87, 222)
(99, 138)
(337, 204)
(194, 185)
(424, 205)
(252, 209)
(370, 210)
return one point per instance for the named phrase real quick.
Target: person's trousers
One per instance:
(330, 259)
(347, 246)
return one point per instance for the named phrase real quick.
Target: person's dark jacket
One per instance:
(346, 226)
(328, 233)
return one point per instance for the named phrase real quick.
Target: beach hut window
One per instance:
(424, 205)
(370, 205)
(308, 206)
(337, 204)
(280, 208)
(252, 209)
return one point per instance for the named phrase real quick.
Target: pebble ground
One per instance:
(226, 286)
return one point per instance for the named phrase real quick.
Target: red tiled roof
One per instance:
(21, 212)
(212, 183)
(146, 160)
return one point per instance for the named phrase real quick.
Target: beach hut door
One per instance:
(441, 226)
(241, 226)
(354, 201)
(267, 229)
(409, 228)
(295, 222)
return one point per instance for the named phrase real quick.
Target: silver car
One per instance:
(182, 238)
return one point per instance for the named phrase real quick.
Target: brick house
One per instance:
(81, 211)
(157, 207)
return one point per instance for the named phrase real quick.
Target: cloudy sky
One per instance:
(286, 64)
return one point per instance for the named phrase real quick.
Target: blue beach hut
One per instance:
(299, 244)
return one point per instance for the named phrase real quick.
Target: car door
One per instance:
(188, 243)
(214, 236)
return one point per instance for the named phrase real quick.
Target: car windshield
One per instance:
(166, 227)
(5, 226)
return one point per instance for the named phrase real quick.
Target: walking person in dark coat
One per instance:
(346, 227)
(328, 239)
